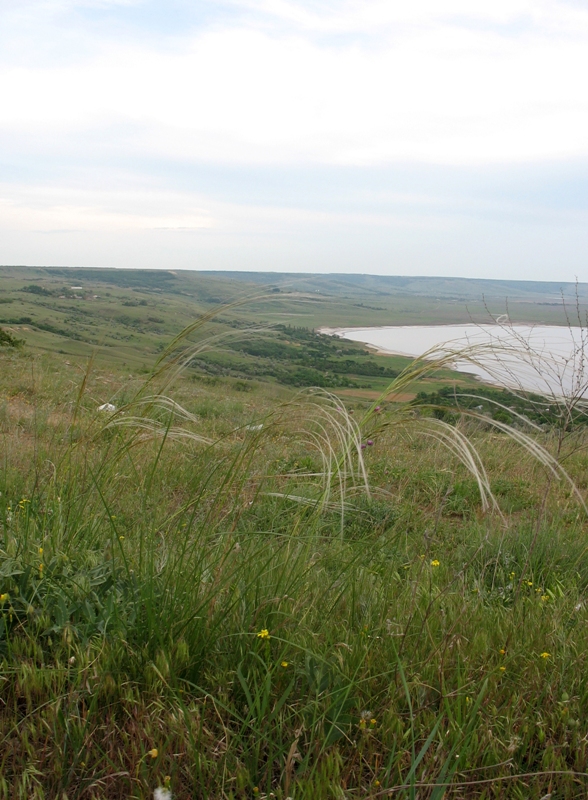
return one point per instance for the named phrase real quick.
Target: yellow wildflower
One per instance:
(40, 551)
(154, 752)
(373, 721)
(284, 664)
(502, 651)
(545, 655)
(4, 598)
(502, 669)
(435, 563)
(544, 597)
(263, 634)
(511, 576)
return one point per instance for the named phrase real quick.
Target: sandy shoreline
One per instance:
(504, 355)
(378, 349)
(340, 332)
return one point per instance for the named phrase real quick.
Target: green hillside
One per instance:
(276, 565)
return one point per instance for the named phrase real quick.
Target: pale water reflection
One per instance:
(548, 359)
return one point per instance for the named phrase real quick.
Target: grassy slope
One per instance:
(127, 317)
(407, 646)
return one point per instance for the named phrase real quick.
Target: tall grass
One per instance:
(276, 610)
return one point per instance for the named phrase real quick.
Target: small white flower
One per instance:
(106, 407)
(162, 794)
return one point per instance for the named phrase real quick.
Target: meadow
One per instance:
(232, 587)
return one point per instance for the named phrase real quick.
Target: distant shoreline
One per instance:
(511, 366)
(326, 331)
(378, 350)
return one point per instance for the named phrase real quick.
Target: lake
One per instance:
(547, 359)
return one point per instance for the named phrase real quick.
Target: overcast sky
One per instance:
(423, 137)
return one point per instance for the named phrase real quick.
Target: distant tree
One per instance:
(34, 288)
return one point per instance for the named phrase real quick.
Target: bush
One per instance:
(8, 340)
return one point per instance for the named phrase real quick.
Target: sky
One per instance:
(430, 137)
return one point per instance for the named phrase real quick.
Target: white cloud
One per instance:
(49, 210)
(94, 99)
(442, 91)
(386, 18)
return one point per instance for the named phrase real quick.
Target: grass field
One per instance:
(233, 587)
(125, 318)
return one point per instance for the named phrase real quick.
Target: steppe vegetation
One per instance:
(235, 588)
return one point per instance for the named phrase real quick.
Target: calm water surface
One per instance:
(543, 358)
